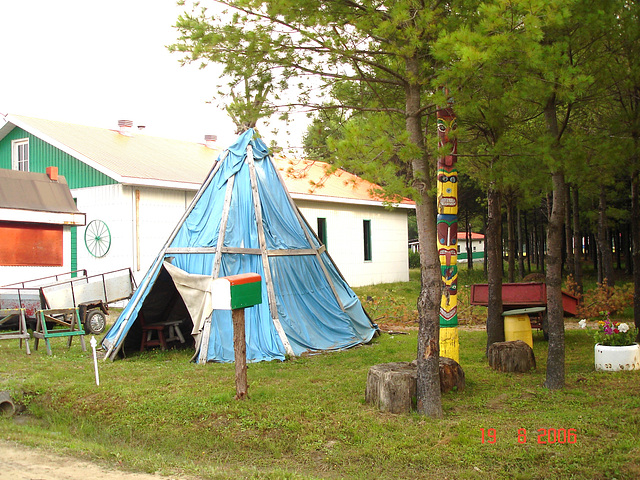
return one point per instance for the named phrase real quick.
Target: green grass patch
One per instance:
(306, 418)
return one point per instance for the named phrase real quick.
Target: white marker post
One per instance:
(93, 343)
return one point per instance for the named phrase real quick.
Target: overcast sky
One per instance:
(96, 62)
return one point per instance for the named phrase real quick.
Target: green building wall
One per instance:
(43, 155)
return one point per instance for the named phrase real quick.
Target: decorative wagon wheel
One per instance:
(97, 238)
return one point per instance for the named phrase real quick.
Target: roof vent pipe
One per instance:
(125, 127)
(210, 140)
(52, 173)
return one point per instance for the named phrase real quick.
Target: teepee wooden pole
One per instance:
(203, 347)
(223, 227)
(306, 228)
(271, 294)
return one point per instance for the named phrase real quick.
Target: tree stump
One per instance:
(451, 375)
(392, 386)
(514, 356)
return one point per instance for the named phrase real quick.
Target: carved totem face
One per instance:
(447, 137)
(447, 192)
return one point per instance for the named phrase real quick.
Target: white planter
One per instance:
(613, 359)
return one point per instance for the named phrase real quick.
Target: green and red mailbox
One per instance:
(236, 291)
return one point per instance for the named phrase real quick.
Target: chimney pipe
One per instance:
(210, 140)
(125, 127)
(52, 173)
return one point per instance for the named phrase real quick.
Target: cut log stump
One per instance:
(392, 386)
(451, 375)
(514, 356)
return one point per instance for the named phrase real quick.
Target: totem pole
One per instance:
(448, 232)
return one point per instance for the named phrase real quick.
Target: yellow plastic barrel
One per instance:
(517, 326)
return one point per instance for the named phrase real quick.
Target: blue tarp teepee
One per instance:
(243, 220)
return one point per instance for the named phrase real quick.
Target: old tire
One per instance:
(95, 322)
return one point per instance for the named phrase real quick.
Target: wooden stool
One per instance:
(21, 333)
(173, 333)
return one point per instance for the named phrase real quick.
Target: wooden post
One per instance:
(234, 293)
(240, 352)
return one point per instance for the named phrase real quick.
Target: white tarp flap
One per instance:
(195, 291)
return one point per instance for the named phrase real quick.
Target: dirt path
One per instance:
(23, 463)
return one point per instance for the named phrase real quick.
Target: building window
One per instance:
(20, 155)
(322, 231)
(366, 228)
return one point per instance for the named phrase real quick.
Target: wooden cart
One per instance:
(517, 296)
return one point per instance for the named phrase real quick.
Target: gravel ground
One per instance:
(18, 462)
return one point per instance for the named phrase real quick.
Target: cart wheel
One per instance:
(95, 322)
(97, 238)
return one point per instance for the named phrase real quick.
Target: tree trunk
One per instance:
(469, 244)
(485, 256)
(542, 245)
(628, 249)
(614, 239)
(635, 234)
(555, 313)
(495, 325)
(577, 256)
(520, 243)
(428, 396)
(511, 241)
(529, 247)
(593, 253)
(537, 235)
(568, 235)
(604, 241)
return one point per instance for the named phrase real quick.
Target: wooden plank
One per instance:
(273, 308)
(203, 347)
(189, 250)
(291, 252)
(246, 251)
(57, 333)
(223, 227)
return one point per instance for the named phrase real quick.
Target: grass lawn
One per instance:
(306, 417)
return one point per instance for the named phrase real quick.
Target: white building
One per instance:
(134, 188)
(477, 245)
